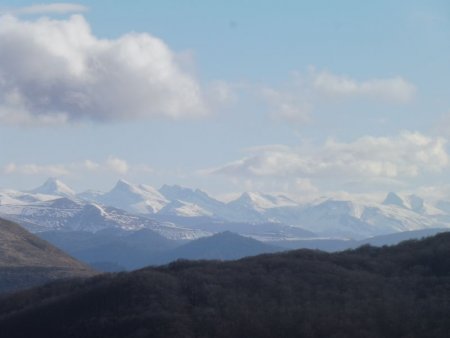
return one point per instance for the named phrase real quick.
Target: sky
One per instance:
(306, 98)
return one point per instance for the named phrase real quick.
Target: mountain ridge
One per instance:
(26, 260)
(180, 207)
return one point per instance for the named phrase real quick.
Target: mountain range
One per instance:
(182, 213)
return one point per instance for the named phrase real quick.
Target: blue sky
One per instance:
(303, 97)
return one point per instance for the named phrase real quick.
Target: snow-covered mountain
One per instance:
(261, 202)
(141, 199)
(178, 212)
(65, 214)
(54, 187)
(356, 220)
(122, 208)
(184, 209)
(343, 218)
(186, 201)
(137, 199)
(258, 207)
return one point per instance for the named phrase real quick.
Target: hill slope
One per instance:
(127, 249)
(26, 260)
(399, 291)
(221, 246)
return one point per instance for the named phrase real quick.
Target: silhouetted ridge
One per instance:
(399, 291)
(223, 246)
(26, 260)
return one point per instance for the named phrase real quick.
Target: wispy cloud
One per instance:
(35, 169)
(290, 106)
(297, 101)
(395, 89)
(111, 165)
(400, 157)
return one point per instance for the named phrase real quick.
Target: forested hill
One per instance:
(26, 260)
(400, 291)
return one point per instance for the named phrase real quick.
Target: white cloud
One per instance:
(91, 165)
(407, 155)
(55, 8)
(56, 71)
(117, 165)
(112, 165)
(434, 193)
(395, 89)
(289, 106)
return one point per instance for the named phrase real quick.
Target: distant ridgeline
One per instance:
(179, 213)
(398, 291)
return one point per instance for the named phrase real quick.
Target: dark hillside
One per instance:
(400, 291)
(26, 260)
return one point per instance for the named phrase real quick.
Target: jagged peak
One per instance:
(261, 200)
(149, 188)
(394, 199)
(123, 183)
(179, 192)
(54, 186)
(126, 186)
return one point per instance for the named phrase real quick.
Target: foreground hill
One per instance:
(26, 260)
(399, 291)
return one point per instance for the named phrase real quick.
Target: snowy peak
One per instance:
(412, 202)
(176, 192)
(123, 186)
(394, 199)
(142, 199)
(54, 186)
(250, 200)
(340, 207)
(260, 201)
(197, 196)
(141, 191)
(149, 189)
(185, 209)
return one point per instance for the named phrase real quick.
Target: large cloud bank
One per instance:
(407, 155)
(55, 71)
